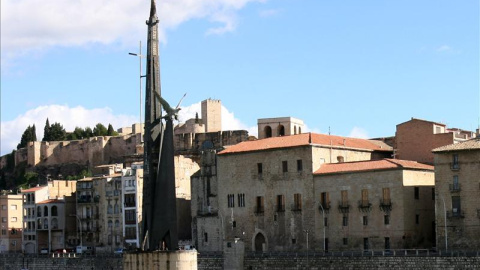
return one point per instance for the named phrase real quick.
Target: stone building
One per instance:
(457, 179)
(280, 126)
(379, 204)
(416, 138)
(211, 121)
(236, 192)
(40, 226)
(11, 207)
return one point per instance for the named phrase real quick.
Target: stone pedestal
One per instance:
(174, 260)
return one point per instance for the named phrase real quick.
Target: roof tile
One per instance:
(371, 165)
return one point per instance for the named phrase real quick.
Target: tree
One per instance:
(57, 132)
(34, 133)
(100, 130)
(88, 133)
(27, 136)
(46, 132)
(111, 131)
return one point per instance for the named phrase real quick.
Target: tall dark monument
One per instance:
(159, 229)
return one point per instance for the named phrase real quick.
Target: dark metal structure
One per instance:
(159, 215)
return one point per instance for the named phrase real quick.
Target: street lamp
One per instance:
(445, 223)
(323, 217)
(140, 56)
(307, 231)
(80, 226)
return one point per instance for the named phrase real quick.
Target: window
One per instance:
(386, 219)
(456, 185)
(456, 206)
(268, 132)
(241, 200)
(4, 232)
(130, 233)
(417, 219)
(259, 168)
(345, 241)
(4, 207)
(417, 193)
(231, 200)
(366, 245)
(13, 207)
(344, 198)
(365, 220)
(299, 165)
(45, 211)
(4, 220)
(280, 203)
(345, 221)
(294, 241)
(281, 130)
(259, 207)
(129, 200)
(13, 219)
(386, 195)
(109, 209)
(284, 166)
(54, 211)
(117, 223)
(297, 202)
(455, 164)
(234, 224)
(325, 200)
(110, 224)
(325, 222)
(340, 159)
(205, 237)
(387, 243)
(109, 239)
(364, 202)
(130, 217)
(117, 208)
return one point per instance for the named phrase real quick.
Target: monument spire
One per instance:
(159, 228)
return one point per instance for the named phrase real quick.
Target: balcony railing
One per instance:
(364, 205)
(344, 207)
(454, 166)
(325, 206)
(456, 214)
(454, 187)
(386, 204)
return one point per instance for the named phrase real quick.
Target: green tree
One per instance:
(111, 131)
(46, 132)
(27, 136)
(87, 133)
(34, 133)
(57, 132)
(100, 130)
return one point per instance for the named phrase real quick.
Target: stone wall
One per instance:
(48, 263)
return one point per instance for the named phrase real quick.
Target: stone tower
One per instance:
(280, 126)
(212, 115)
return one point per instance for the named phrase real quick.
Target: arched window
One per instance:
(39, 211)
(117, 223)
(295, 130)
(299, 130)
(116, 211)
(45, 223)
(45, 211)
(54, 211)
(340, 159)
(110, 223)
(39, 223)
(54, 223)
(281, 130)
(110, 209)
(268, 132)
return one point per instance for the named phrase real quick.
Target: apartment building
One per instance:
(11, 206)
(132, 190)
(457, 183)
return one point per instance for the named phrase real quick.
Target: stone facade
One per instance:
(457, 179)
(376, 207)
(11, 209)
(212, 115)
(280, 126)
(416, 138)
(132, 192)
(236, 192)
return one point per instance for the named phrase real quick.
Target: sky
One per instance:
(354, 68)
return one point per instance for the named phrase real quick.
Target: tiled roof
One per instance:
(371, 165)
(33, 189)
(51, 201)
(465, 145)
(306, 139)
(417, 119)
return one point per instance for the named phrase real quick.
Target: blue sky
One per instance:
(358, 67)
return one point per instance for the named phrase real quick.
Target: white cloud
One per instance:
(358, 132)
(32, 26)
(11, 131)
(444, 48)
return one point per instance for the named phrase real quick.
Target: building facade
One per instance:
(457, 179)
(11, 207)
(381, 204)
(132, 188)
(237, 191)
(280, 126)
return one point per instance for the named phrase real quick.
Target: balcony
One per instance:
(455, 187)
(324, 206)
(296, 207)
(344, 207)
(456, 214)
(259, 210)
(386, 205)
(455, 166)
(84, 199)
(364, 205)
